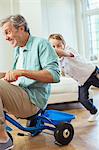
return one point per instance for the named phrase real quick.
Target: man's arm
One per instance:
(42, 75)
(48, 63)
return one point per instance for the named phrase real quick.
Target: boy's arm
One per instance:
(63, 53)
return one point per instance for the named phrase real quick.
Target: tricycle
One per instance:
(54, 120)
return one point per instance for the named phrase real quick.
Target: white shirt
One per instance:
(19, 64)
(77, 67)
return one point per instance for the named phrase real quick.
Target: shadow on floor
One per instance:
(65, 106)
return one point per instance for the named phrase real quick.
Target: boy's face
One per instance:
(57, 44)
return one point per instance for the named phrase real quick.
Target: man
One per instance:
(85, 73)
(25, 89)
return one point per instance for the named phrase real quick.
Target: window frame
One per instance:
(85, 14)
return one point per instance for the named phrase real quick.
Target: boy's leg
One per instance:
(84, 93)
(83, 96)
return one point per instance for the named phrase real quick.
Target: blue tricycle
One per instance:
(54, 120)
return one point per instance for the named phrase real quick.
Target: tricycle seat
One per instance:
(56, 116)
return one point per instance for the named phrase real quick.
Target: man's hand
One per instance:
(11, 76)
(2, 74)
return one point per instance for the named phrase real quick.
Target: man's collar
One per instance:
(28, 45)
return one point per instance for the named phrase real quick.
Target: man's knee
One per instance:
(3, 86)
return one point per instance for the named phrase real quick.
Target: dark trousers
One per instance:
(83, 92)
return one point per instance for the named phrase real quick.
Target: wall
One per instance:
(31, 9)
(79, 27)
(59, 17)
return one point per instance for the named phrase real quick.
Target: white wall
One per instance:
(31, 10)
(79, 27)
(59, 17)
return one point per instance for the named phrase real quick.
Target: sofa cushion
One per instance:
(66, 85)
(65, 91)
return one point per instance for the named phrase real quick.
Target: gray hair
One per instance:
(16, 21)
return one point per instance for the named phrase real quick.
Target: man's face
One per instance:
(12, 35)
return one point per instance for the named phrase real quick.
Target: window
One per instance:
(91, 25)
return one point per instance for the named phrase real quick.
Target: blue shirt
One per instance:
(38, 55)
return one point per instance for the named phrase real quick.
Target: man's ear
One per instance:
(22, 28)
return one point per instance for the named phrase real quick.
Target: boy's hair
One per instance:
(57, 37)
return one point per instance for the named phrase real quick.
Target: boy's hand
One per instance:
(63, 53)
(69, 54)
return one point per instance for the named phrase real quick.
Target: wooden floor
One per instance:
(86, 134)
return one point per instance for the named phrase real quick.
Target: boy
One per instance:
(86, 74)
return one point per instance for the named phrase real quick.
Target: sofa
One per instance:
(65, 91)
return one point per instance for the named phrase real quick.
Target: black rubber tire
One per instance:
(64, 133)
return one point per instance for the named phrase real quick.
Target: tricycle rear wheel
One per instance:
(64, 133)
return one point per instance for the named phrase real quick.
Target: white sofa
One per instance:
(64, 91)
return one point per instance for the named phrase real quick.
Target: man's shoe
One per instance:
(7, 146)
(93, 117)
